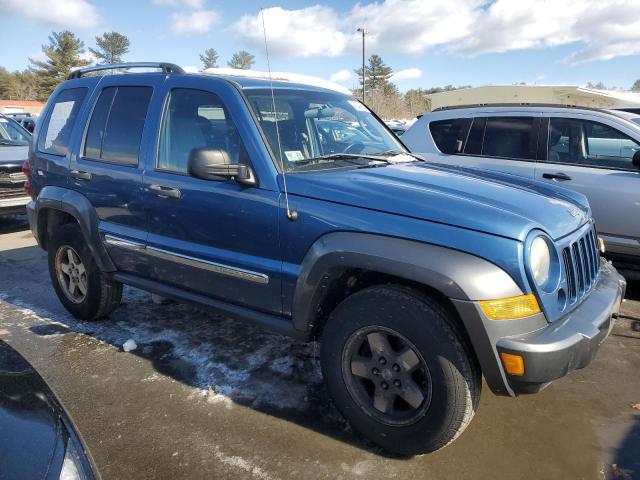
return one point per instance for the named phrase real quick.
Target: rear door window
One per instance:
(450, 135)
(116, 125)
(55, 134)
(510, 137)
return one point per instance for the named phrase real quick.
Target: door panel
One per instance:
(107, 167)
(217, 238)
(583, 156)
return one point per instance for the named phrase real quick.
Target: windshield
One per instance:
(12, 134)
(315, 125)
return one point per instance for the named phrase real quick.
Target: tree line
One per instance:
(383, 96)
(65, 52)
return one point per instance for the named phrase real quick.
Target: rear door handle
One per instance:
(556, 176)
(165, 192)
(80, 175)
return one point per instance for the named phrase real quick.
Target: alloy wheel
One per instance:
(72, 275)
(386, 375)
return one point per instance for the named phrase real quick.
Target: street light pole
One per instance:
(363, 31)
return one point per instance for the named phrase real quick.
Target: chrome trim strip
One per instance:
(207, 265)
(187, 260)
(122, 243)
(14, 201)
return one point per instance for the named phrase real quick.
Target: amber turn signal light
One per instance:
(510, 308)
(513, 364)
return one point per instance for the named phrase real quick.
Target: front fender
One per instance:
(79, 207)
(455, 274)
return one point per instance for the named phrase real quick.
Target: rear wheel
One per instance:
(399, 370)
(83, 290)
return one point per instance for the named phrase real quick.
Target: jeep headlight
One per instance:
(540, 260)
(543, 263)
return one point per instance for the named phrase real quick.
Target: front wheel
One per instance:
(399, 370)
(81, 287)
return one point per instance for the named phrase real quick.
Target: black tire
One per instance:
(102, 295)
(409, 320)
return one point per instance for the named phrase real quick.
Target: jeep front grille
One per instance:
(581, 262)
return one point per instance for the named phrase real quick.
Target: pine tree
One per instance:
(63, 53)
(209, 58)
(243, 60)
(110, 47)
(377, 75)
(636, 86)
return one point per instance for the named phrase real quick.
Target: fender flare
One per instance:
(79, 207)
(456, 274)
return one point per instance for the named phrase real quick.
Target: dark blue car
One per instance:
(417, 278)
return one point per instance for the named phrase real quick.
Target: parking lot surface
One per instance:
(203, 396)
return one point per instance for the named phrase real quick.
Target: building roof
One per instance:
(20, 103)
(534, 94)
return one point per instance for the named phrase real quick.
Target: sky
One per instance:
(428, 43)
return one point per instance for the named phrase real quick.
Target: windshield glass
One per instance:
(12, 134)
(314, 125)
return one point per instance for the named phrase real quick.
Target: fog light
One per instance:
(513, 364)
(510, 308)
(601, 245)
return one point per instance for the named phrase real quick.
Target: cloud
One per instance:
(595, 29)
(295, 33)
(341, 76)
(197, 21)
(78, 14)
(406, 74)
(193, 4)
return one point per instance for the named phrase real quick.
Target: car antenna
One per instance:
(291, 214)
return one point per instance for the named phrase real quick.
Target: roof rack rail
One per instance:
(163, 66)
(514, 104)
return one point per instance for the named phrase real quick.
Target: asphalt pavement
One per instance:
(204, 396)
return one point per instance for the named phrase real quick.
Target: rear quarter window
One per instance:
(56, 132)
(450, 135)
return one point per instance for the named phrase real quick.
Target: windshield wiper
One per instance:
(399, 152)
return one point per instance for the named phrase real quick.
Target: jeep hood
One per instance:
(500, 204)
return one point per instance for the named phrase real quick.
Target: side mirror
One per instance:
(636, 159)
(213, 164)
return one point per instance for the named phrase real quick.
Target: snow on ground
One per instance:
(226, 361)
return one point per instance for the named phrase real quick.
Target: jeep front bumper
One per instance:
(570, 342)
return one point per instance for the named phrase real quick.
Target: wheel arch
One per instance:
(451, 273)
(56, 206)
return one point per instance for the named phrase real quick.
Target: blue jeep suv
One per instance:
(417, 279)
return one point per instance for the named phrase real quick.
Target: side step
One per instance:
(272, 323)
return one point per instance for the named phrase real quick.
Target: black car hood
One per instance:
(34, 429)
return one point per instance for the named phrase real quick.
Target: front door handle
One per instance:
(556, 176)
(165, 192)
(80, 175)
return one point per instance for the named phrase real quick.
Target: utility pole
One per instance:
(363, 31)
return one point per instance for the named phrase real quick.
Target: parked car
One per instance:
(416, 279)
(595, 152)
(398, 128)
(39, 440)
(14, 148)
(27, 120)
